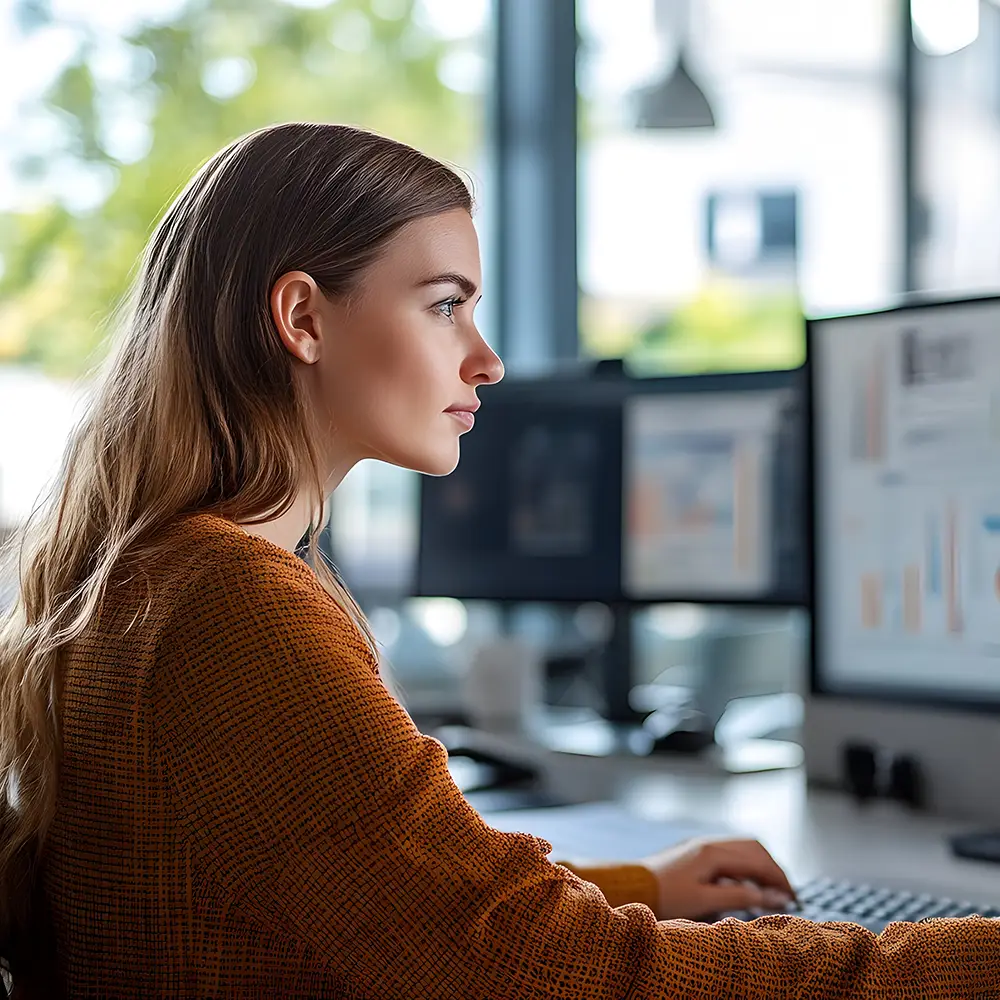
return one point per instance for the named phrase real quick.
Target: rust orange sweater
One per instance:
(245, 811)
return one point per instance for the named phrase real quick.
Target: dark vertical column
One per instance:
(913, 214)
(534, 131)
(617, 668)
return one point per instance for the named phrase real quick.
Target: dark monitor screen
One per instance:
(583, 488)
(533, 508)
(905, 431)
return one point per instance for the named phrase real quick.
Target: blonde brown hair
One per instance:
(195, 409)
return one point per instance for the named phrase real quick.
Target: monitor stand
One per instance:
(585, 732)
(675, 728)
(683, 722)
(688, 722)
(613, 725)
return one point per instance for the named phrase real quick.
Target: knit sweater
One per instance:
(245, 811)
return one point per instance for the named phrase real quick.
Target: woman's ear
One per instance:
(295, 311)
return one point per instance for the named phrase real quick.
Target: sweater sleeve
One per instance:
(310, 799)
(620, 882)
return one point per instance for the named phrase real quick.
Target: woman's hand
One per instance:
(700, 878)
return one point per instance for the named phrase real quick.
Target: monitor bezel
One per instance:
(873, 693)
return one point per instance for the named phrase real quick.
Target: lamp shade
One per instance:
(675, 101)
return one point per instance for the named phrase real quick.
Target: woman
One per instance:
(210, 790)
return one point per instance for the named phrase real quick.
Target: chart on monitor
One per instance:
(907, 415)
(699, 486)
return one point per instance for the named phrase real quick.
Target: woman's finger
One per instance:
(745, 859)
(725, 898)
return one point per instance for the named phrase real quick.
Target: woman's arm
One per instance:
(620, 882)
(311, 799)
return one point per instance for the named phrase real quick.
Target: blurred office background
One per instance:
(672, 182)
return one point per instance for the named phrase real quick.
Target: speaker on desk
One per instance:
(869, 773)
(860, 770)
(906, 783)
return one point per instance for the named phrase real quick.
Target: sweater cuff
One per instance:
(621, 882)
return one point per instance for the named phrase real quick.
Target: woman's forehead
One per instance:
(437, 244)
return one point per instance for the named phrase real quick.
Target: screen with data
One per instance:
(906, 432)
(705, 475)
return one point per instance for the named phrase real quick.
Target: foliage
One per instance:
(727, 326)
(215, 70)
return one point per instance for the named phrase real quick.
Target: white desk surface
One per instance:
(809, 832)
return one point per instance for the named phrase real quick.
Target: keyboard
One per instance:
(829, 899)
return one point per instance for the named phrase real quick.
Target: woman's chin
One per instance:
(432, 464)
(441, 467)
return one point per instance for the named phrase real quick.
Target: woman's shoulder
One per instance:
(214, 572)
(202, 535)
(202, 575)
(239, 600)
(208, 559)
(206, 553)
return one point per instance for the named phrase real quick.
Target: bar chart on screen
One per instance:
(698, 481)
(929, 567)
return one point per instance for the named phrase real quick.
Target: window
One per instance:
(699, 247)
(957, 145)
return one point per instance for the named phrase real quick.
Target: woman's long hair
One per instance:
(196, 409)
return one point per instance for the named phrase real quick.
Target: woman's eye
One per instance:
(447, 308)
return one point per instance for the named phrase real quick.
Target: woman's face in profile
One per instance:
(405, 349)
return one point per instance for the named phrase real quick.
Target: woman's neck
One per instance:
(286, 530)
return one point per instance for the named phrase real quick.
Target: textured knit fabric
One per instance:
(620, 882)
(245, 811)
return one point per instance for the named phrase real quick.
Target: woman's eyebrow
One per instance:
(468, 286)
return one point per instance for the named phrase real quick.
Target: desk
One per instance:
(810, 832)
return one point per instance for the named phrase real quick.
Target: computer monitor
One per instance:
(532, 512)
(713, 485)
(580, 488)
(905, 466)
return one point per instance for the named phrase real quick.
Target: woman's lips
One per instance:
(465, 417)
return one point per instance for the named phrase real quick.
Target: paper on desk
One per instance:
(600, 830)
